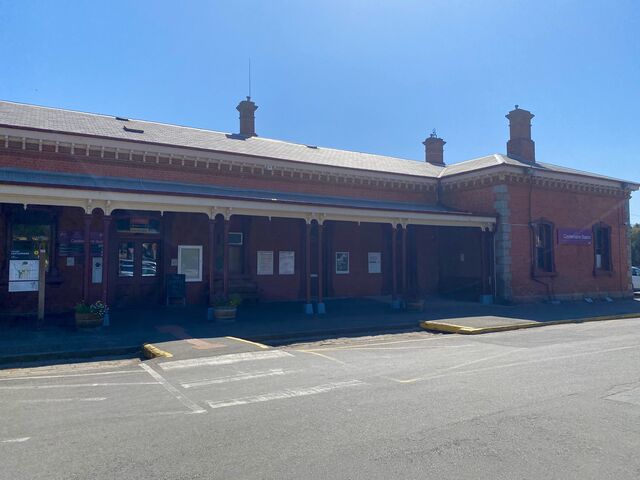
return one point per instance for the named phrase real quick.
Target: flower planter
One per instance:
(225, 314)
(87, 320)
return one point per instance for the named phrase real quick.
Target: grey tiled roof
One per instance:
(29, 116)
(67, 121)
(92, 182)
(498, 159)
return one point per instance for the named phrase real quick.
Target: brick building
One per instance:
(118, 205)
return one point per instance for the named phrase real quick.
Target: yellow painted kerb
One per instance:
(440, 326)
(151, 351)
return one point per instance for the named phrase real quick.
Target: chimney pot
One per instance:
(247, 110)
(520, 145)
(434, 149)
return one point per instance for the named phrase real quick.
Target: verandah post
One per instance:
(321, 306)
(308, 307)
(106, 228)
(394, 267)
(225, 272)
(87, 258)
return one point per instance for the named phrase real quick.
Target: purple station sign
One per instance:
(574, 236)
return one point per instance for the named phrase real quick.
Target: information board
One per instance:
(375, 262)
(23, 275)
(286, 263)
(265, 262)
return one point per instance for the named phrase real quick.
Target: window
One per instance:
(235, 238)
(602, 247)
(126, 257)
(190, 262)
(150, 259)
(543, 248)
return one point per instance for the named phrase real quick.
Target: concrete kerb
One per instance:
(446, 327)
(151, 351)
(68, 355)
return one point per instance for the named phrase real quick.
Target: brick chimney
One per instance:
(247, 110)
(434, 150)
(520, 146)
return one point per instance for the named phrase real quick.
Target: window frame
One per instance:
(600, 226)
(550, 269)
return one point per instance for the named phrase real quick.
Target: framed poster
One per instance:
(265, 262)
(190, 262)
(375, 262)
(23, 275)
(286, 263)
(342, 263)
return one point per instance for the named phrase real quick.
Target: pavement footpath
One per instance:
(176, 328)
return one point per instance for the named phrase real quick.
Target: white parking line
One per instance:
(61, 400)
(78, 385)
(37, 377)
(237, 378)
(289, 393)
(224, 359)
(15, 440)
(194, 407)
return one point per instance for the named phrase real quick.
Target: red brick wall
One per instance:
(201, 175)
(574, 263)
(276, 235)
(478, 200)
(188, 229)
(358, 240)
(426, 259)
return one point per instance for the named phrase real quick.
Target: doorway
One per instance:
(138, 275)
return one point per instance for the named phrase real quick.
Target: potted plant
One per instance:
(225, 307)
(90, 316)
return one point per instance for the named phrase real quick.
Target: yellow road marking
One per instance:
(248, 341)
(411, 380)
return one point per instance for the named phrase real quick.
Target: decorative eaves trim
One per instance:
(31, 139)
(539, 175)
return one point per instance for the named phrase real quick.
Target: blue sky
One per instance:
(359, 75)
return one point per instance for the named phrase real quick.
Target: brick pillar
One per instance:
(503, 242)
(87, 258)
(321, 306)
(106, 229)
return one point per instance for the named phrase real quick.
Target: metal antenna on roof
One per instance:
(249, 77)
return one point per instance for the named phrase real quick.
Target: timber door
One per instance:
(138, 276)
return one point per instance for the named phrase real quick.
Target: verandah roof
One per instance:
(110, 193)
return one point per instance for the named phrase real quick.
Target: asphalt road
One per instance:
(556, 402)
